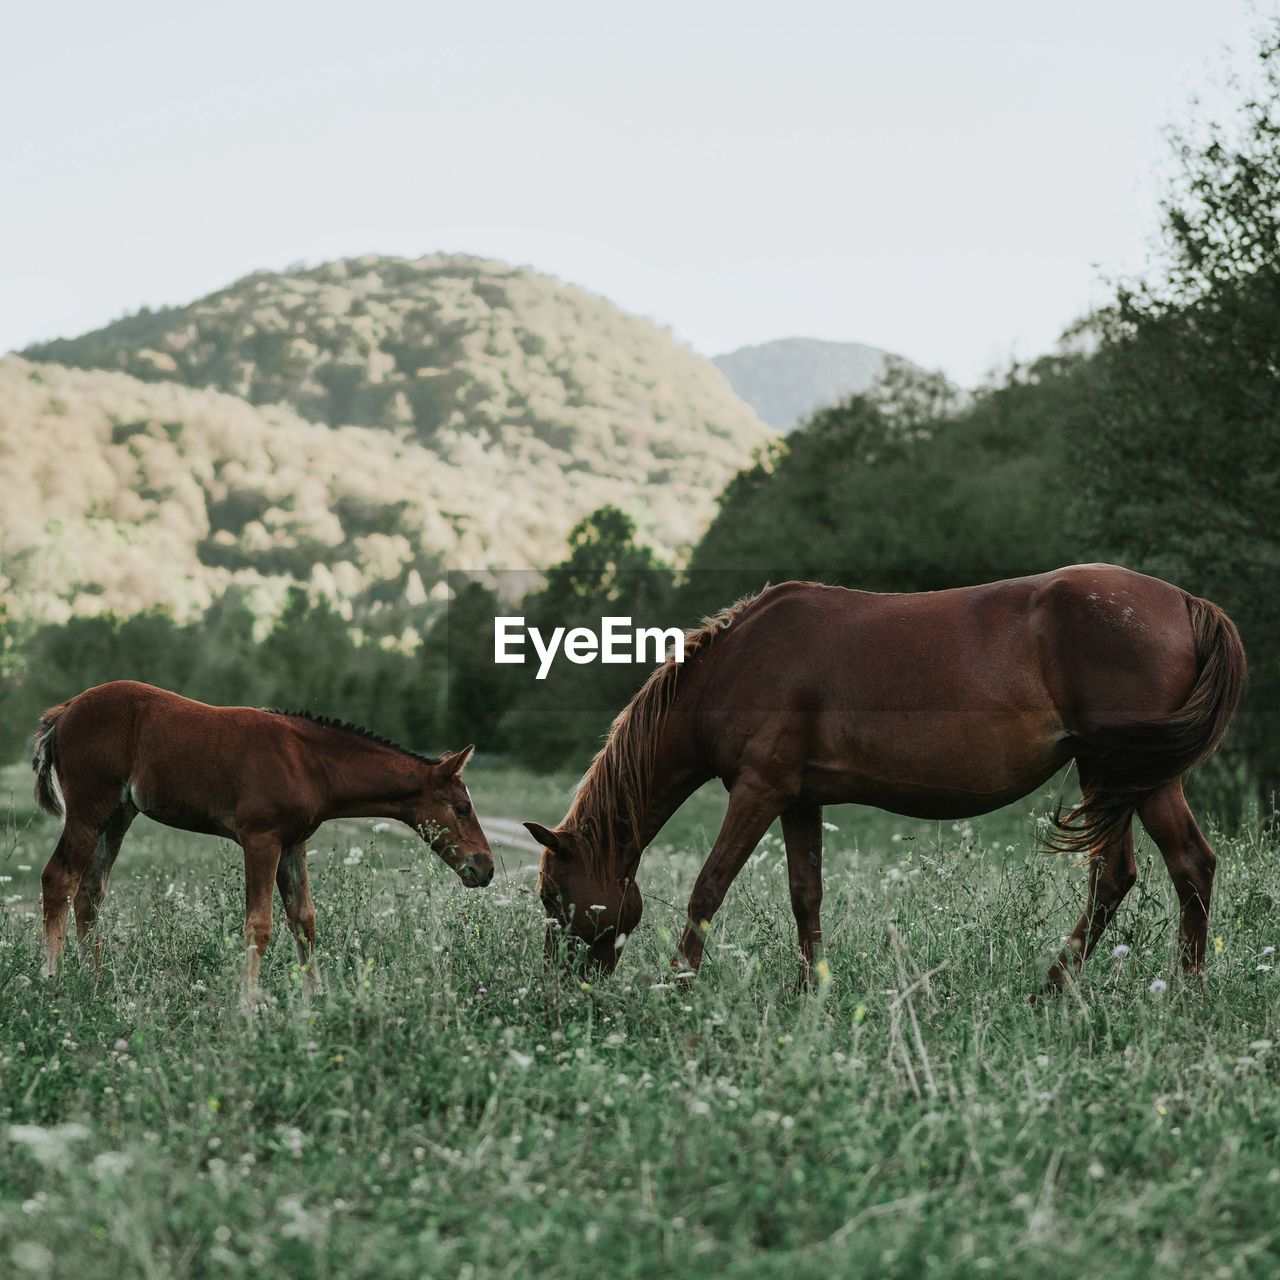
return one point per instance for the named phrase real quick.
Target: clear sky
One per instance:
(950, 181)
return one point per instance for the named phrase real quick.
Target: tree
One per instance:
(904, 489)
(1183, 451)
(562, 719)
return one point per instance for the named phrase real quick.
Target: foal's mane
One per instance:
(353, 730)
(610, 802)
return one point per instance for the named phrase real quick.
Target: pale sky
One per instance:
(949, 181)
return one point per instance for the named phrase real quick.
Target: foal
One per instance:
(265, 779)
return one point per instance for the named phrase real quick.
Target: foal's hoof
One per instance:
(253, 1003)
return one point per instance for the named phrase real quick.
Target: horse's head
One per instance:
(443, 816)
(582, 898)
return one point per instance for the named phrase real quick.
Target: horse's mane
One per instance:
(354, 730)
(610, 802)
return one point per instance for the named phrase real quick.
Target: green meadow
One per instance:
(452, 1107)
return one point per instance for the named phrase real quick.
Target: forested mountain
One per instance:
(787, 380)
(352, 424)
(452, 350)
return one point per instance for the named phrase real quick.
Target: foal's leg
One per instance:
(752, 807)
(61, 879)
(1190, 862)
(261, 857)
(93, 884)
(802, 831)
(1112, 873)
(295, 892)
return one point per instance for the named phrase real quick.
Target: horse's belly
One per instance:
(936, 801)
(944, 778)
(175, 814)
(201, 824)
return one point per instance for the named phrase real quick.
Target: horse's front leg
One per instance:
(261, 858)
(802, 830)
(753, 805)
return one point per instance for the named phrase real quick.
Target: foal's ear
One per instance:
(451, 766)
(545, 837)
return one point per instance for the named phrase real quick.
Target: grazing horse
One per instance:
(944, 704)
(265, 779)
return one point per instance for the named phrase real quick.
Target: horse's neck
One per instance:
(678, 773)
(366, 780)
(669, 791)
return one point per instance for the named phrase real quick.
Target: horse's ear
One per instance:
(545, 837)
(451, 766)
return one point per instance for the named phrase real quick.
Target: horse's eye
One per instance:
(463, 810)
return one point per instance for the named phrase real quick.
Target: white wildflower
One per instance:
(50, 1147)
(32, 1257)
(110, 1164)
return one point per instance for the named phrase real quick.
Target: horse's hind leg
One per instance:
(295, 892)
(93, 883)
(802, 831)
(1190, 862)
(61, 880)
(1112, 873)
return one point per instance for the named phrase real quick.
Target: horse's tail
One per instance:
(44, 762)
(1125, 763)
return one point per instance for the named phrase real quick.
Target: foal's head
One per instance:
(584, 898)
(442, 815)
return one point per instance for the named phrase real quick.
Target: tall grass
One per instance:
(451, 1107)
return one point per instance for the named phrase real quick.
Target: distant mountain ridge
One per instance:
(356, 426)
(786, 380)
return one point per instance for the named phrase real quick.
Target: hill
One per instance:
(121, 495)
(787, 380)
(353, 424)
(455, 353)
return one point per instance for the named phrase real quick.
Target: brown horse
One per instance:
(266, 779)
(945, 704)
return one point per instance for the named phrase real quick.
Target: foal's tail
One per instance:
(43, 762)
(1130, 761)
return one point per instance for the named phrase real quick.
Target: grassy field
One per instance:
(450, 1108)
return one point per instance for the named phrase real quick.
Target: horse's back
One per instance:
(1092, 635)
(952, 700)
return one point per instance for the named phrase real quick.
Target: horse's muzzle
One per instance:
(476, 870)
